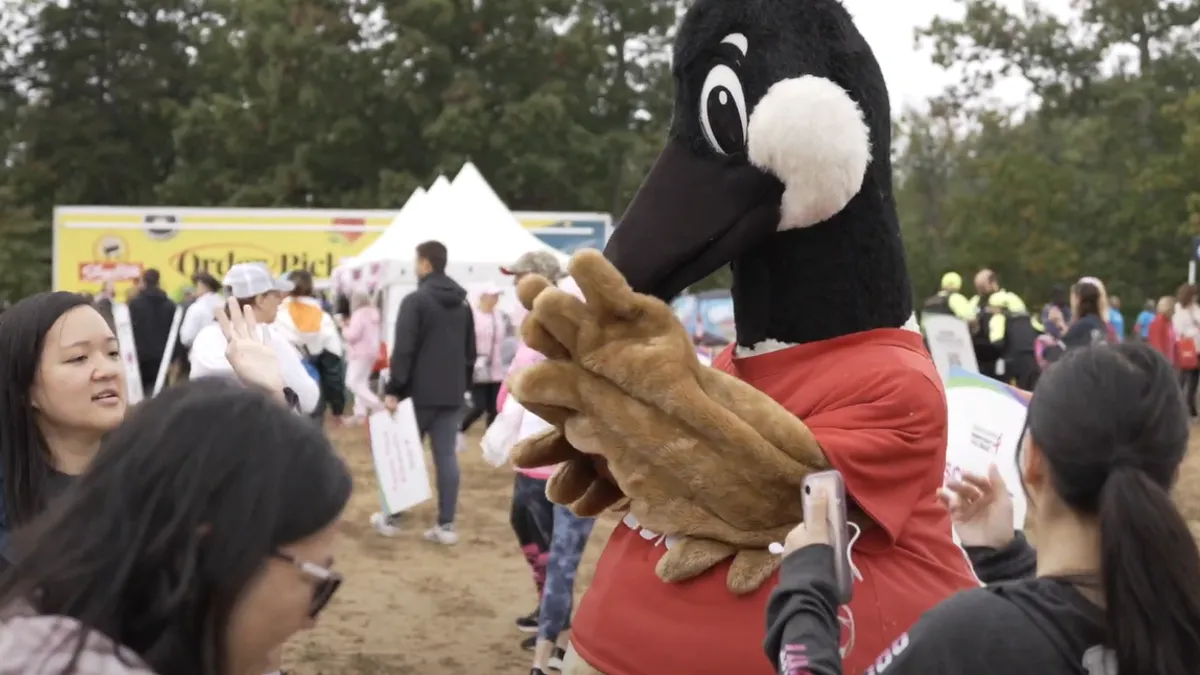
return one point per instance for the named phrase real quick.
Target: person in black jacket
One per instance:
(151, 312)
(431, 363)
(1115, 589)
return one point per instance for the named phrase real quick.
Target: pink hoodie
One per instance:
(362, 334)
(489, 336)
(527, 356)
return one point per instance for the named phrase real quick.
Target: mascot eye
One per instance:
(723, 111)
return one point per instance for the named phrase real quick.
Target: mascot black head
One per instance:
(778, 162)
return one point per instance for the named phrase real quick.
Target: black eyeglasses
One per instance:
(325, 581)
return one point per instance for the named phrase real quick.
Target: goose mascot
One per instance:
(777, 164)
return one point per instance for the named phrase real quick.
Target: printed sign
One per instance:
(133, 373)
(987, 419)
(399, 459)
(94, 245)
(949, 342)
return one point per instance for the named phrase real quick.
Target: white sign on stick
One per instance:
(133, 372)
(169, 352)
(949, 341)
(399, 459)
(987, 419)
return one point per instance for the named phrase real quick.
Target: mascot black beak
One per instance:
(692, 214)
(736, 170)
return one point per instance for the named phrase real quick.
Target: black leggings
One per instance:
(1188, 380)
(483, 401)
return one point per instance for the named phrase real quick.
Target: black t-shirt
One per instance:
(56, 484)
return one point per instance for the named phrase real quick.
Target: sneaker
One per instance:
(528, 623)
(537, 671)
(529, 643)
(556, 659)
(384, 525)
(460, 444)
(442, 534)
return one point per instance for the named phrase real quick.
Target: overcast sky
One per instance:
(888, 26)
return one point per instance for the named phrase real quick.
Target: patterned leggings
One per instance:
(532, 519)
(566, 549)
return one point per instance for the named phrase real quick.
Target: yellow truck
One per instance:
(98, 245)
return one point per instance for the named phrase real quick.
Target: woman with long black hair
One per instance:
(1116, 586)
(180, 552)
(62, 387)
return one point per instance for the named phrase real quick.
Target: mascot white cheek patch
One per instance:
(811, 135)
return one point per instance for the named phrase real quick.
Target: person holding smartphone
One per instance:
(1114, 586)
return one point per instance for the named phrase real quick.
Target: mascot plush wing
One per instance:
(777, 164)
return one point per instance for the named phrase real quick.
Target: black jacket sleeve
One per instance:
(408, 329)
(1017, 560)
(472, 348)
(974, 632)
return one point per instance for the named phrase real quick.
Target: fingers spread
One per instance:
(571, 481)
(561, 315)
(539, 339)
(602, 285)
(750, 569)
(600, 495)
(688, 558)
(545, 449)
(530, 287)
(549, 383)
(222, 317)
(966, 491)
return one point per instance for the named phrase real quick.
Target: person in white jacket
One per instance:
(200, 313)
(254, 287)
(305, 324)
(1187, 332)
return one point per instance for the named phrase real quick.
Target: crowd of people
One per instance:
(149, 541)
(450, 357)
(1015, 345)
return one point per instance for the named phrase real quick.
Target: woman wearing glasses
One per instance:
(200, 539)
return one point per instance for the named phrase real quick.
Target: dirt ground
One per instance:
(409, 607)
(412, 607)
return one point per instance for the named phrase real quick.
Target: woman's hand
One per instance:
(980, 508)
(253, 360)
(815, 532)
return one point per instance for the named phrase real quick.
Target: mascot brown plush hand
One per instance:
(778, 165)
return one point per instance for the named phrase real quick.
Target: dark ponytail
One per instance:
(1150, 571)
(1113, 428)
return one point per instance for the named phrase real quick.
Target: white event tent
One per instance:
(466, 215)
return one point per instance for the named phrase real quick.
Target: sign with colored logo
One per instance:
(94, 245)
(986, 423)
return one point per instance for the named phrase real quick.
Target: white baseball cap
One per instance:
(247, 280)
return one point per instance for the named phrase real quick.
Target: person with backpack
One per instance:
(950, 300)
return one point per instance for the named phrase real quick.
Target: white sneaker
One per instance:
(442, 534)
(382, 526)
(460, 444)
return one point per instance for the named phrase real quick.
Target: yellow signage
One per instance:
(96, 245)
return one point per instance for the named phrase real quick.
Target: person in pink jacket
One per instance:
(491, 329)
(551, 537)
(362, 350)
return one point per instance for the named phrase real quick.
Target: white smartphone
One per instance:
(831, 483)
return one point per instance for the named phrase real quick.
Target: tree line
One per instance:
(563, 105)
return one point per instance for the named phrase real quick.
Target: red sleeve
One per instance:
(886, 433)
